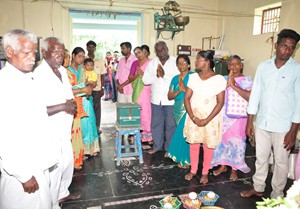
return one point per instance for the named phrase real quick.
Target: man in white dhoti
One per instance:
(26, 147)
(56, 92)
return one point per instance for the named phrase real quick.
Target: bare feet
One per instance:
(166, 154)
(95, 154)
(233, 175)
(152, 151)
(183, 166)
(189, 176)
(70, 197)
(78, 168)
(204, 179)
(251, 192)
(220, 170)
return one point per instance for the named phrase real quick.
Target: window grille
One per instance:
(270, 20)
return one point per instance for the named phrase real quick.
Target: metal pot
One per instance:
(181, 21)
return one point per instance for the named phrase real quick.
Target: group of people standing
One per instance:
(38, 173)
(182, 112)
(111, 67)
(207, 110)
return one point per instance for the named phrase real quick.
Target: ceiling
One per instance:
(190, 7)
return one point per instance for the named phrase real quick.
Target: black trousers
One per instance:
(97, 107)
(114, 87)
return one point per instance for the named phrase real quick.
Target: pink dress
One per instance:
(143, 100)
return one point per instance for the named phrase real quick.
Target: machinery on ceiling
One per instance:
(170, 20)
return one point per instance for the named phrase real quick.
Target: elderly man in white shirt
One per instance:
(26, 147)
(159, 74)
(56, 92)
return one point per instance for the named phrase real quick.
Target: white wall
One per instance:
(39, 17)
(238, 30)
(205, 21)
(35, 17)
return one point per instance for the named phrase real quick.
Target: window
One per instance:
(270, 20)
(267, 19)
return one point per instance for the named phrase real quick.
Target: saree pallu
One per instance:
(89, 129)
(179, 149)
(142, 95)
(231, 150)
(77, 77)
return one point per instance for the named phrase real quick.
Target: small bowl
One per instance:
(186, 202)
(174, 199)
(207, 202)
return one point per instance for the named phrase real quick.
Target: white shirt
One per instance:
(25, 139)
(160, 86)
(275, 96)
(55, 92)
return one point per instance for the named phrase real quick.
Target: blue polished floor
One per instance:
(103, 185)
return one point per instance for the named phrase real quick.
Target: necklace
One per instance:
(206, 75)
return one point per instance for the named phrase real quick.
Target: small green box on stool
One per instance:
(128, 115)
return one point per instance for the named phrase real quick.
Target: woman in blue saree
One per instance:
(84, 125)
(179, 150)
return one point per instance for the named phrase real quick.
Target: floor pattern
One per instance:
(103, 185)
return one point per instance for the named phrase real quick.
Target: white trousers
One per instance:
(297, 169)
(12, 195)
(62, 174)
(124, 98)
(265, 140)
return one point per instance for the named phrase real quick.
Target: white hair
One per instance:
(12, 38)
(164, 44)
(45, 43)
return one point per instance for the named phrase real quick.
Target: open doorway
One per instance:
(108, 30)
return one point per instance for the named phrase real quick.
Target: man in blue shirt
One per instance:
(275, 99)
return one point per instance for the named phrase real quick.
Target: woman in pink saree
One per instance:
(231, 151)
(141, 93)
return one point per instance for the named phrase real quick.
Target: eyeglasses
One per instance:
(182, 63)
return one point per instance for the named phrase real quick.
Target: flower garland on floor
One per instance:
(291, 201)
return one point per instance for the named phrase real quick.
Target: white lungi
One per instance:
(26, 144)
(12, 194)
(56, 91)
(61, 176)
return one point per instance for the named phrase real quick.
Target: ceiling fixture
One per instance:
(170, 20)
